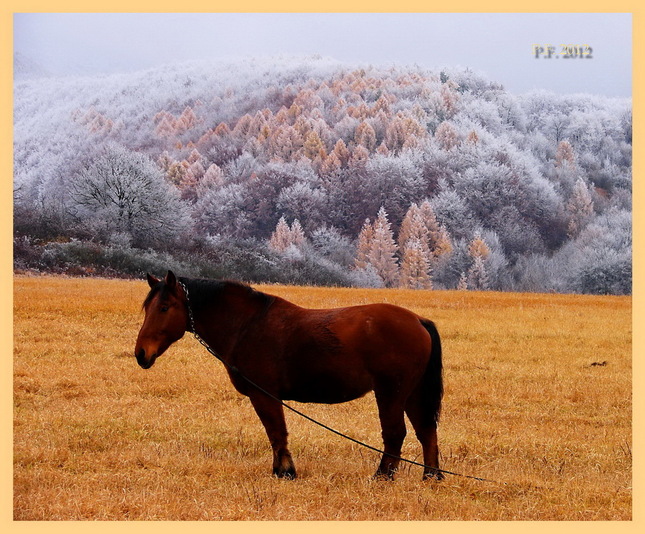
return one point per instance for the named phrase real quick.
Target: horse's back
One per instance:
(373, 336)
(383, 333)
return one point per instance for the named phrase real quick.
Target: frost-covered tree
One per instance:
(124, 192)
(365, 135)
(478, 274)
(212, 179)
(224, 211)
(365, 238)
(280, 238)
(439, 242)
(382, 254)
(413, 227)
(304, 202)
(579, 208)
(453, 213)
(415, 266)
(446, 136)
(286, 237)
(332, 245)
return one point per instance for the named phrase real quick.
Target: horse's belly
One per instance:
(328, 390)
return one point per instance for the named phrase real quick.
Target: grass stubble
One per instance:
(538, 399)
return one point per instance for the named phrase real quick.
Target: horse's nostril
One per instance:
(144, 360)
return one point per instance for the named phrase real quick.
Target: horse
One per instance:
(274, 349)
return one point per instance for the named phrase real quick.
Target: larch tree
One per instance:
(439, 241)
(365, 135)
(566, 169)
(415, 266)
(365, 238)
(280, 238)
(477, 274)
(285, 237)
(359, 157)
(313, 146)
(446, 136)
(564, 155)
(341, 152)
(296, 235)
(213, 178)
(330, 165)
(382, 255)
(462, 284)
(413, 227)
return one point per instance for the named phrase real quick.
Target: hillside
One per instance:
(197, 165)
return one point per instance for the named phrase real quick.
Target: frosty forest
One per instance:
(313, 172)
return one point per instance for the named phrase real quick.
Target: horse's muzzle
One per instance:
(143, 361)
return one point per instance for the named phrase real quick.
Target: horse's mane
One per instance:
(203, 291)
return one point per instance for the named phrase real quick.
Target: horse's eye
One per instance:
(164, 308)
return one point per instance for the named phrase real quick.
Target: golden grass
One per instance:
(96, 437)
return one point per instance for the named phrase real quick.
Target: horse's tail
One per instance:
(432, 383)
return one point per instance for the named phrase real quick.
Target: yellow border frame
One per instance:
(6, 223)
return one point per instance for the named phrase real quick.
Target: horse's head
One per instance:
(166, 319)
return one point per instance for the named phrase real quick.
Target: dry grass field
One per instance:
(538, 399)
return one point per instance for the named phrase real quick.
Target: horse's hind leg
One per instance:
(271, 414)
(391, 414)
(425, 428)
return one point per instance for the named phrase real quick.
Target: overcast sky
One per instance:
(500, 46)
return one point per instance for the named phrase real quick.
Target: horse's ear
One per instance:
(152, 281)
(171, 279)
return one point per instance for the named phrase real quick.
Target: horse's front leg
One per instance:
(271, 414)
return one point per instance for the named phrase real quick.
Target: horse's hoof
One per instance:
(379, 475)
(288, 474)
(436, 476)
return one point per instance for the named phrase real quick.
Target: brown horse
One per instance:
(293, 353)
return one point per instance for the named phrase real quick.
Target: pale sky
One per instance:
(500, 46)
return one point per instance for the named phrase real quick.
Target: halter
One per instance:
(191, 321)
